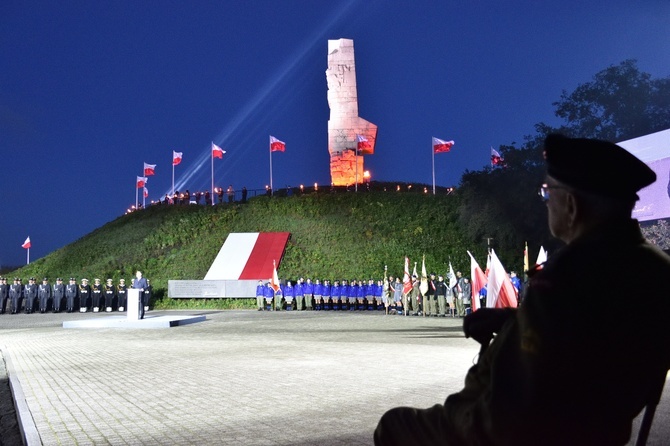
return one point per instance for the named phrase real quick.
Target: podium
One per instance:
(134, 302)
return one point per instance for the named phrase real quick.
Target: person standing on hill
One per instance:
(58, 294)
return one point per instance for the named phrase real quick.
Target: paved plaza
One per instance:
(238, 378)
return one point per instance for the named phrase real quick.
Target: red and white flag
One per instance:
(141, 181)
(478, 281)
(406, 282)
(274, 282)
(441, 146)
(423, 287)
(149, 169)
(276, 145)
(363, 146)
(453, 281)
(26, 244)
(176, 157)
(146, 192)
(217, 152)
(496, 159)
(500, 292)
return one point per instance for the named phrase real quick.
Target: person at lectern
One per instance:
(139, 283)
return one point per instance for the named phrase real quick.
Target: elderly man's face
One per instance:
(557, 209)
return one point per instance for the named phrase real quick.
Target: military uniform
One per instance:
(84, 295)
(4, 294)
(30, 294)
(16, 295)
(146, 296)
(58, 294)
(71, 295)
(122, 294)
(97, 293)
(44, 294)
(110, 294)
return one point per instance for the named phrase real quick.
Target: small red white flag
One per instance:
(496, 159)
(406, 282)
(176, 157)
(141, 181)
(276, 145)
(478, 281)
(441, 146)
(146, 192)
(363, 146)
(217, 152)
(274, 282)
(26, 244)
(149, 169)
(500, 292)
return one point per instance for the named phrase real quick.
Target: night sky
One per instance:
(90, 90)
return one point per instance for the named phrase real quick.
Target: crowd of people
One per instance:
(71, 297)
(430, 297)
(205, 197)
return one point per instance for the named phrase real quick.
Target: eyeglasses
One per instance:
(544, 191)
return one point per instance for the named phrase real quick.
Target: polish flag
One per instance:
(406, 282)
(274, 282)
(176, 157)
(478, 281)
(496, 159)
(440, 146)
(26, 244)
(500, 292)
(149, 169)
(217, 152)
(364, 147)
(141, 181)
(276, 145)
(146, 192)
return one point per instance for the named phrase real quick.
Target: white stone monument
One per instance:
(344, 125)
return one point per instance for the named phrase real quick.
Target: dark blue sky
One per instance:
(91, 90)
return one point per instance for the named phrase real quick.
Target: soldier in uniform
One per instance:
(146, 296)
(553, 375)
(16, 295)
(30, 294)
(416, 290)
(110, 294)
(84, 295)
(58, 294)
(71, 295)
(122, 294)
(4, 294)
(44, 294)
(96, 295)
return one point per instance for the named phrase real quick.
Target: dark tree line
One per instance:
(502, 203)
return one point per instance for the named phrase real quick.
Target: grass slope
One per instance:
(341, 235)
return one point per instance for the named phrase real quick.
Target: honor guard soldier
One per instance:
(30, 294)
(84, 295)
(71, 295)
(146, 296)
(4, 294)
(16, 295)
(96, 294)
(44, 295)
(122, 293)
(110, 294)
(58, 294)
(260, 295)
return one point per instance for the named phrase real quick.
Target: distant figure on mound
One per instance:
(140, 283)
(556, 375)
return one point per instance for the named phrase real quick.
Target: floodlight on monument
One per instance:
(302, 188)
(366, 175)
(397, 188)
(425, 190)
(316, 187)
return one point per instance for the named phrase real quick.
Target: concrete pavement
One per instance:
(238, 378)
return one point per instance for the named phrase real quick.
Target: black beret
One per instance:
(596, 166)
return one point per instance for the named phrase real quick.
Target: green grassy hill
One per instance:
(333, 235)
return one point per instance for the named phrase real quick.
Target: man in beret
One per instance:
(554, 375)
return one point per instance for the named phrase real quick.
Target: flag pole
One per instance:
(211, 155)
(356, 161)
(432, 151)
(136, 200)
(28, 256)
(271, 188)
(173, 173)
